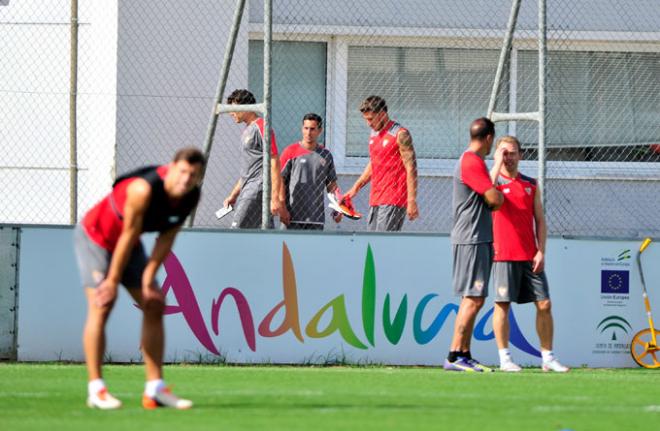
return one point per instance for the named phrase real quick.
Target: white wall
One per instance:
(322, 269)
(147, 76)
(34, 106)
(565, 15)
(168, 66)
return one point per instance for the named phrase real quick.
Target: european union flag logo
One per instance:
(614, 281)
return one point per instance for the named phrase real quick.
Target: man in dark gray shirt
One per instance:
(308, 170)
(246, 196)
(474, 198)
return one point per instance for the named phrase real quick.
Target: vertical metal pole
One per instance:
(73, 128)
(220, 89)
(542, 94)
(17, 265)
(268, 34)
(10, 237)
(506, 47)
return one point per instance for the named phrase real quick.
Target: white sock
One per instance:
(505, 355)
(94, 386)
(547, 355)
(153, 386)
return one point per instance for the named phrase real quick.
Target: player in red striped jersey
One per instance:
(520, 233)
(392, 169)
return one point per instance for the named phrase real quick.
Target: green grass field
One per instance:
(52, 397)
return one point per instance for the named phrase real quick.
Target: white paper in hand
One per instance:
(223, 211)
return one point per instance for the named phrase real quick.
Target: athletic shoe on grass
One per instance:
(103, 400)
(460, 364)
(165, 398)
(555, 366)
(509, 366)
(478, 367)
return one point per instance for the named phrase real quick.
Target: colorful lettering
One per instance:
(369, 296)
(291, 320)
(393, 327)
(423, 336)
(339, 322)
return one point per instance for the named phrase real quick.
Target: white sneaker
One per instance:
(103, 400)
(554, 365)
(165, 398)
(509, 366)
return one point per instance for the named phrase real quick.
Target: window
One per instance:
(602, 106)
(298, 84)
(434, 92)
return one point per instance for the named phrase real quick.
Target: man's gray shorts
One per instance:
(94, 261)
(386, 218)
(471, 269)
(516, 282)
(247, 213)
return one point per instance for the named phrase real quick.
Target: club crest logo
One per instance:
(98, 276)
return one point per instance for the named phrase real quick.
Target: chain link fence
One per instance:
(147, 72)
(602, 117)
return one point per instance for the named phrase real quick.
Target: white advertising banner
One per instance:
(311, 298)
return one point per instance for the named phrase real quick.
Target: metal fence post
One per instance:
(268, 33)
(542, 101)
(220, 89)
(73, 113)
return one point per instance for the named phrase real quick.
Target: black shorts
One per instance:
(516, 282)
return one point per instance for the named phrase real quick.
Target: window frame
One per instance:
(339, 38)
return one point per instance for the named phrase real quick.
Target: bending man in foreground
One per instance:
(109, 251)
